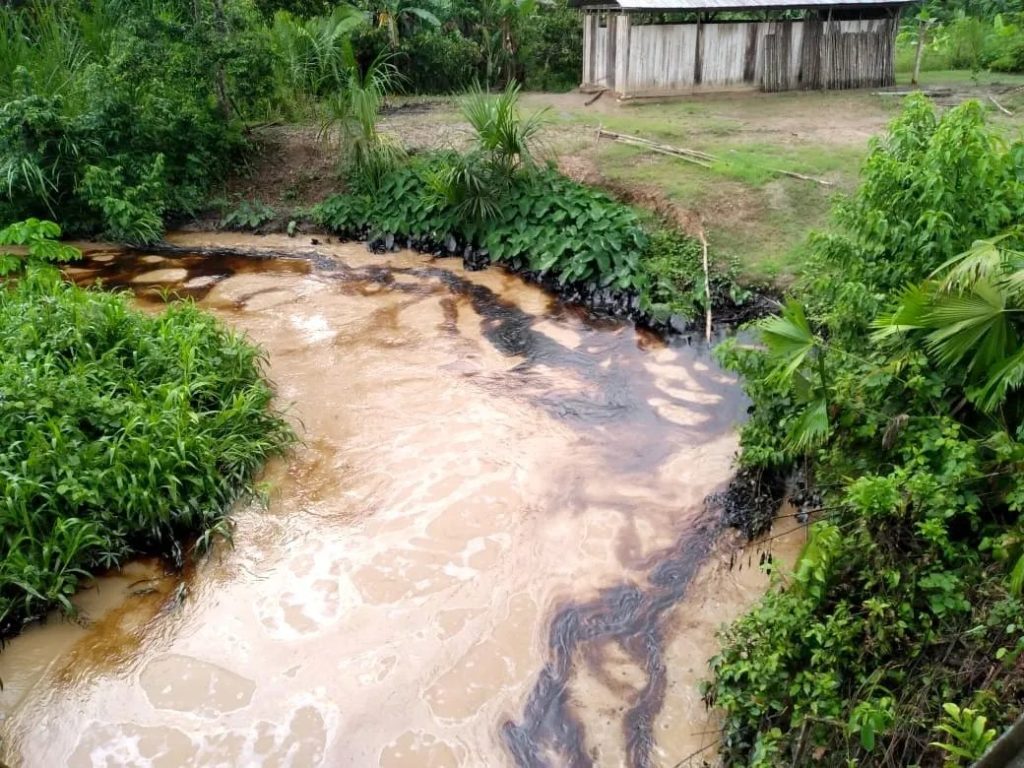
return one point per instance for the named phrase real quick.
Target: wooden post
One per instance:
(922, 39)
(609, 53)
(698, 54)
(623, 27)
(589, 47)
(828, 45)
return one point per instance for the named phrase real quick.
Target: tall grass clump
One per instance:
(120, 432)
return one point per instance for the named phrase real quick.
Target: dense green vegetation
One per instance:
(899, 638)
(499, 198)
(960, 35)
(903, 624)
(120, 432)
(118, 115)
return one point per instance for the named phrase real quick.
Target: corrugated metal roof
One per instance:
(731, 5)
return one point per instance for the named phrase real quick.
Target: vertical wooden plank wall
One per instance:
(774, 55)
(661, 57)
(623, 57)
(611, 39)
(724, 54)
(818, 52)
(589, 42)
(598, 69)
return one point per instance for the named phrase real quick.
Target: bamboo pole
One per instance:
(707, 281)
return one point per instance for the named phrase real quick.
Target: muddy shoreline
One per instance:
(604, 302)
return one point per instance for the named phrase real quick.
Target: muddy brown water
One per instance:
(491, 548)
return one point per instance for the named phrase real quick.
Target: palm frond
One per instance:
(985, 260)
(972, 326)
(911, 313)
(424, 15)
(1000, 380)
(789, 339)
(811, 427)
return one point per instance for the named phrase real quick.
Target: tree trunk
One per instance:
(922, 34)
(220, 27)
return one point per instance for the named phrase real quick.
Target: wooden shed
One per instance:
(651, 47)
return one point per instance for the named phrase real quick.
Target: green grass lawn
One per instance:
(752, 213)
(957, 77)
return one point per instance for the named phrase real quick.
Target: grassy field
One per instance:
(752, 213)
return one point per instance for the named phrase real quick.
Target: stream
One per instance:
(490, 549)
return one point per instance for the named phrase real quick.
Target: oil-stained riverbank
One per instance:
(491, 548)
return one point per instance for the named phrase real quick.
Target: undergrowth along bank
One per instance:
(899, 638)
(499, 203)
(120, 432)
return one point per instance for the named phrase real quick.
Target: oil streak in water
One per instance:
(630, 616)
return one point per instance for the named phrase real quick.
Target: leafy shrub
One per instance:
(117, 115)
(434, 62)
(39, 241)
(966, 733)
(913, 440)
(929, 189)
(545, 224)
(249, 214)
(120, 432)
(969, 39)
(674, 263)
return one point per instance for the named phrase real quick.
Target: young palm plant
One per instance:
(968, 317)
(475, 184)
(506, 137)
(311, 53)
(351, 119)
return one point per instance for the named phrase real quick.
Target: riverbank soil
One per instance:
(752, 213)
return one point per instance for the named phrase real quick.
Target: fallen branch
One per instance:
(931, 92)
(663, 151)
(666, 148)
(795, 175)
(1001, 108)
(591, 100)
(707, 281)
(703, 159)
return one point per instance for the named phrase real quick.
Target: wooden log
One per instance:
(665, 151)
(1001, 108)
(932, 92)
(802, 177)
(697, 154)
